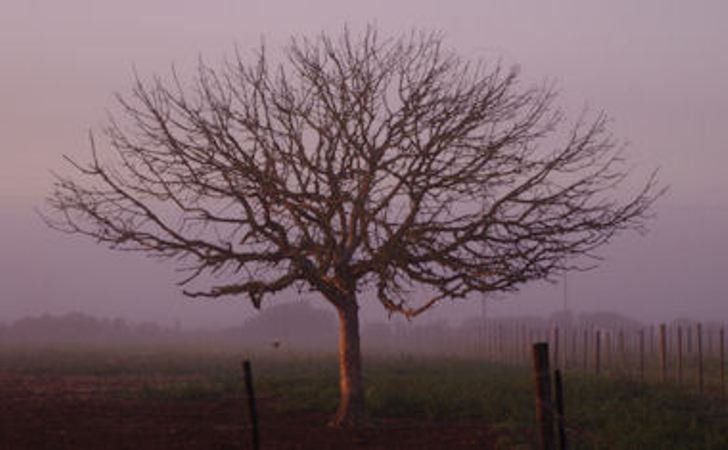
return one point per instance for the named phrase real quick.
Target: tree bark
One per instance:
(350, 413)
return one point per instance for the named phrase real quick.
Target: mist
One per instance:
(659, 69)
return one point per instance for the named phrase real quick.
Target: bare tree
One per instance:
(356, 165)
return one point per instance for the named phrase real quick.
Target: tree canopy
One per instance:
(392, 160)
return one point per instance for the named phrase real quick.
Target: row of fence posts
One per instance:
(547, 405)
(662, 351)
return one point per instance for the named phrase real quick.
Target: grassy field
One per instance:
(602, 413)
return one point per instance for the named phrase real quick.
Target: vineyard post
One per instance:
(701, 381)
(722, 364)
(247, 371)
(597, 352)
(525, 342)
(622, 352)
(513, 341)
(642, 356)
(663, 352)
(585, 348)
(607, 351)
(501, 357)
(544, 404)
(679, 355)
(574, 353)
(556, 347)
(506, 347)
(611, 359)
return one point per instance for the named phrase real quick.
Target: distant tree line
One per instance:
(77, 327)
(298, 326)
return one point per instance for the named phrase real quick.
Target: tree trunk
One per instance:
(351, 406)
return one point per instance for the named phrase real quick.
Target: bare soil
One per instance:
(91, 412)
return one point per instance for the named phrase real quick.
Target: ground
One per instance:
(92, 412)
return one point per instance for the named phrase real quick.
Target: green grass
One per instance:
(610, 413)
(602, 413)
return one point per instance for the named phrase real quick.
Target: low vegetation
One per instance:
(602, 413)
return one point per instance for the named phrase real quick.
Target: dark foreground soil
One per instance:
(80, 413)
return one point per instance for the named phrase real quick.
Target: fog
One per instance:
(658, 68)
(297, 328)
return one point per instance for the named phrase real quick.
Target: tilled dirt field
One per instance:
(90, 412)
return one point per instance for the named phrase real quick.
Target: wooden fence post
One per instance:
(544, 404)
(701, 380)
(722, 364)
(679, 355)
(663, 352)
(585, 348)
(642, 356)
(607, 351)
(572, 362)
(556, 340)
(501, 348)
(247, 371)
(523, 346)
(624, 368)
(597, 351)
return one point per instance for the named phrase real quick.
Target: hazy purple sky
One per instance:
(659, 68)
